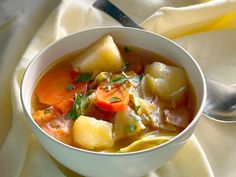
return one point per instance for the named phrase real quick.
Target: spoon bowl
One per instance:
(221, 102)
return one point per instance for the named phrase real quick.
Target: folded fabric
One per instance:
(176, 22)
(22, 155)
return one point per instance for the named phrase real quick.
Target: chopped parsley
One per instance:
(141, 77)
(127, 49)
(47, 111)
(136, 108)
(119, 80)
(86, 106)
(130, 128)
(75, 111)
(86, 98)
(136, 79)
(70, 87)
(114, 99)
(107, 88)
(125, 67)
(90, 92)
(81, 101)
(83, 78)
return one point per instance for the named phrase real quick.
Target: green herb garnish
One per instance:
(136, 108)
(86, 98)
(114, 99)
(107, 88)
(70, 87)
(125, 67)
(83, 78)
(130, 128)
(119, 80)
(90, 92)
(136, 79)
(140, 77)
(127, 50)
(47, 111)
(87, 103)
(76, 108)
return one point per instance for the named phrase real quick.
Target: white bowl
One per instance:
(90, 163)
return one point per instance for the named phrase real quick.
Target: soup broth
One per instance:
(146, 102)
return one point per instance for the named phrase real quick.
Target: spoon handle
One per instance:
(109, 8)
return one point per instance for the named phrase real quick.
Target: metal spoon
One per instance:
(221, 102)
(221, 98)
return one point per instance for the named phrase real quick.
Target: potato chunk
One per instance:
(102, 55)
(168, 79)
(91, 133)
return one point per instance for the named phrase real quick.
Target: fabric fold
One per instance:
(179, 165)
(176, 22)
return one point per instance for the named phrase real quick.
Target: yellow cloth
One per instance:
(206, 30)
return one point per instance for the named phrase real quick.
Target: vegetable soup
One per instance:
(113, 98)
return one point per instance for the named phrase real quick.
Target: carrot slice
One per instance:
(65, 106)
(46, 115)
(112, 100)
(59, 84)
(59, 128)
